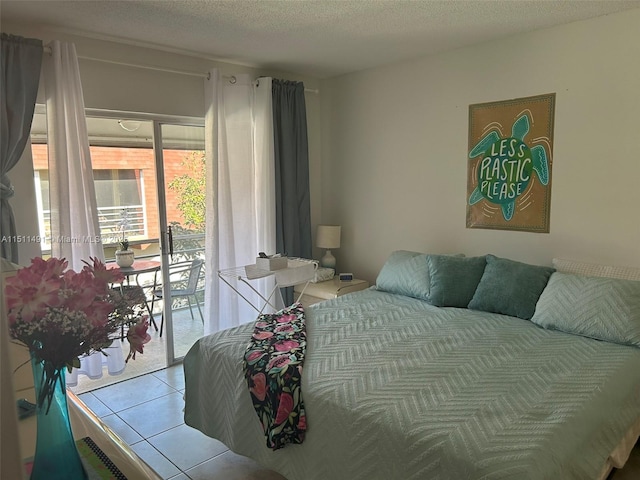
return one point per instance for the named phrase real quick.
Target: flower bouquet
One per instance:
(60, 315)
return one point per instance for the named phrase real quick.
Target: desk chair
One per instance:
(183, 278)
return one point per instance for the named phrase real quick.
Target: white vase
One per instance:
(124, 258)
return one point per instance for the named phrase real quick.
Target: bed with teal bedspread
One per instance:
(395, 388)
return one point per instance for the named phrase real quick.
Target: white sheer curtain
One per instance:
(240, 196)
(74, 212)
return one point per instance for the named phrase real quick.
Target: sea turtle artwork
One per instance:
(507, 166)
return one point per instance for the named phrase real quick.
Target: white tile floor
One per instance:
(146, 412)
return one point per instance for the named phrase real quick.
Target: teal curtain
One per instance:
(291, 148)
(21, 63)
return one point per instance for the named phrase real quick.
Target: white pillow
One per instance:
(602, 308)
(595, 270)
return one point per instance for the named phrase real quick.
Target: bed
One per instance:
(398, 388)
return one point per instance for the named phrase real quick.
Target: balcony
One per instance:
(114, 221)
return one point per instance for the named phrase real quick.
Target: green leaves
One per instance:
(191, 191)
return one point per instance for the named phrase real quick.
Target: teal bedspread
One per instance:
(396, 389)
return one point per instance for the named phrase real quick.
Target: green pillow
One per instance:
(453, 279)
(596, 307)
(405, 273)
(510, 288)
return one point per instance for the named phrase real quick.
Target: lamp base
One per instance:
(328, 261)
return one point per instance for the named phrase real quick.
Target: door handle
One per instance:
(170, 235)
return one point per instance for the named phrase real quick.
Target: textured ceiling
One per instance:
(319, 38)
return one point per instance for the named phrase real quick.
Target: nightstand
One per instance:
(317, 292)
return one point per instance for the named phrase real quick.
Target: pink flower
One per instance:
(278, 362)
(29, 294)
(137, 337)
(286, 318)
(284, 328)
(254, 355)
(262, 324)
(262, 335)
(302, 422)
(259, 388)
(98, 313)
(284, 408)
(103, 275)
(51, 268)
(61, 315)
(79, 289)
(286, 345)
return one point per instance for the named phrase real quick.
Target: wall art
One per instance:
(510, 162)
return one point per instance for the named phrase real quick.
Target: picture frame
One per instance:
(510, 160)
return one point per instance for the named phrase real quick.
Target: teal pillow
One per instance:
(510, 288)
(602, 308)
(405, 273)
(453, 279)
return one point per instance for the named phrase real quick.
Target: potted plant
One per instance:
(124, 256)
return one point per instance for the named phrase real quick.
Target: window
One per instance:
(120, 208)
(124, 180)
(124, 172)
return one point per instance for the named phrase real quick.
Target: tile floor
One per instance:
(131, 409)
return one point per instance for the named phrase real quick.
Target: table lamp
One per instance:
(328, 236)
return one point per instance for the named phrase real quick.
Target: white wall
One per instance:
(114, 87)
(395, 147)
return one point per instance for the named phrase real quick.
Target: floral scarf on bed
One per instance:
(273, 369)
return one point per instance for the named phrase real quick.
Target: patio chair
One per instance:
(183, 278)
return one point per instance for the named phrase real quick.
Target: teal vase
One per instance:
(56, 456)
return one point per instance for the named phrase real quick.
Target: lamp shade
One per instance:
(328, 236)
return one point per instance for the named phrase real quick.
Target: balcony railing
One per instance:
(113, 222)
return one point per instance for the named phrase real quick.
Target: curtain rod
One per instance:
(231, 78)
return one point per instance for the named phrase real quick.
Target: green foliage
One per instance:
(188, 237)
(190, 189)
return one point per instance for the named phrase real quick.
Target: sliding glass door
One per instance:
(181, 179)
(149, 180)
